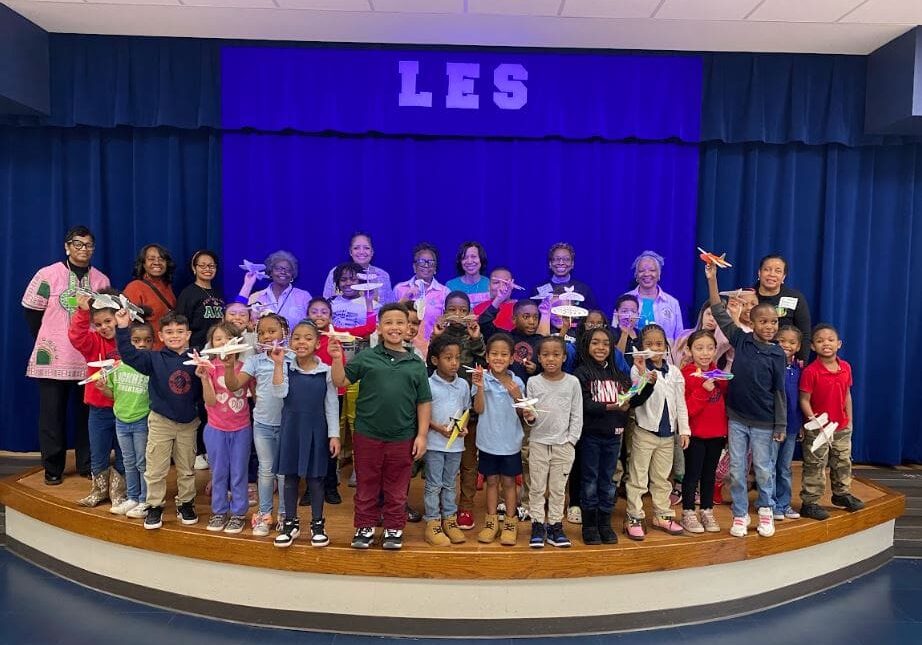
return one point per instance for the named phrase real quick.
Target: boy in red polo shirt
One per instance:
(825, 386)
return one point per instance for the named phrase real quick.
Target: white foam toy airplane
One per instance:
(134, 311)
(510, 283)
(269, 347)
(341, 336)
(645, 353)
(109, 301)
(198, 360)
(233, 346)
(569, 311)
(544, 291)
(106, 367)
(528, 404)
(367, 286)
(259, 270)
(570, 295)
(261, 310)
(367, 276)
(827, 430)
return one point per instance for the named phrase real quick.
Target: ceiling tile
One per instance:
(419, 6)
(515, 7)
(897, 12)
(610, 8)
(706, 9)
(326, 5)
(801, 11)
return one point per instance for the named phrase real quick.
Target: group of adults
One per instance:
(51, 298)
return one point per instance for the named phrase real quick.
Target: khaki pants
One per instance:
(650, 463)
(549, 469)
(837, 455)
(469, 468)
(166, 438)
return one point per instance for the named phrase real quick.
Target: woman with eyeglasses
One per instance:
(281, 296)
(49, 302)
(202, 303)
(152, 286)
(423, 291)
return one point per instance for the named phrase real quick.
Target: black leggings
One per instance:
(54, 396)
(315, 485)
(701, 458)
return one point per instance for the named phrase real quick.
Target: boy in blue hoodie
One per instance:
(175, 393)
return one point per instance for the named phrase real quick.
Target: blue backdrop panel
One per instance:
(474, 92)
(849, 220)
(130, 186)
(610, 200)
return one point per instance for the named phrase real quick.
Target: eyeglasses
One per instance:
(206, 267)
(566, 259)
(282, 270)
(78, 245)
(425, 263)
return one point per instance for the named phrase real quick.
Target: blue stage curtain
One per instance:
(849, 221)
(108, 81)
(130, 186)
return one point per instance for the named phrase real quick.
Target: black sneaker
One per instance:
(556, 536)
(363, 537)
(332, 496)
(305, 498)
(291, 529)
(393, 539)
(319, 535)
(154, 519)
(52, 480)
(186, 513)
(538, 535)
(814, 512)
(848, 501)
(413, 515)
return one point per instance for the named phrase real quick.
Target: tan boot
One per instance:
(118, 491)
(100, 491)
(451, 529)
(490, 529)
(434, 535)
(510, 533)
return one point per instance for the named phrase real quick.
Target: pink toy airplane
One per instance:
(716, 375)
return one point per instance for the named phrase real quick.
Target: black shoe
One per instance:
(363, 538)
(590, 527)
(305, 498)
(319, 535)
(814, 512)
(154, 519)
(332, 496)
(186, 513)
(538, 535)
(291, 529)
(393, 539)
(53, 480)
(848, 501)
(556, 535)
(413, 515)
(86, 475)
(606, 532)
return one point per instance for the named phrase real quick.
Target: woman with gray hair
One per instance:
(281, 296)
(656, 306)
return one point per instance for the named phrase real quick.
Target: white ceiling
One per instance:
(822, 26)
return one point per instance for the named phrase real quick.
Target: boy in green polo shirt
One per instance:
(391, 421)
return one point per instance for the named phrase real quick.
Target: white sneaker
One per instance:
(139, 512)
(124, 507)
(201, 462)
(739, 526)
(575, 515)
(260, 524)
(766, 526)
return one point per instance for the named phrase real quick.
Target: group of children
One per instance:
(532, 403)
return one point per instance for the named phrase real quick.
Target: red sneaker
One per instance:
(465, 520)
(718, 494)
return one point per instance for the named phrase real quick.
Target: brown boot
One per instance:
(118, 491)
(510, 531)
(100, 491)
(434, 535)
(451, 529)
(490, 529)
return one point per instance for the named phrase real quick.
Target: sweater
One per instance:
(131, 402)
(175, 390)
(600, 387)
(562, 403)
(668, 394)
(755, 396)
(92, 347)
(707, 411)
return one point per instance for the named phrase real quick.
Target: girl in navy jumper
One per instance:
(707, 418)
(790, 339)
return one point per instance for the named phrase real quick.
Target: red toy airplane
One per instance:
(709, 258)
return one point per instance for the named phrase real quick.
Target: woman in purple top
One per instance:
(656, 306)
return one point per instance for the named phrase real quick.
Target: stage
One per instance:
(462, 590)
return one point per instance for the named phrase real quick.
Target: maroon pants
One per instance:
(381, 467)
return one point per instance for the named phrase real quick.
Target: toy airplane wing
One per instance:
(367, 286)
(341, 336)
(712, 258)
(824, 437)
(226, 350)
(524, 403)
(544, 291)
(105, 301)
(570, 295)
(109, 362)
(458, 421)
(101, 374)
(569, 311)
(817, 423)
(254, 267)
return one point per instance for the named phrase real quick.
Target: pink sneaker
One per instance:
(668, 524)
(633, 527)
(675, 497)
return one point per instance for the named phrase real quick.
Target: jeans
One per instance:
(599, 457)
(132, 439)
(743, 438)
(441, 472)
(266, 439)
(101, 426)
(782, 498)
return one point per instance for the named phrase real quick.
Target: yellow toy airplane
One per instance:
(458, 421)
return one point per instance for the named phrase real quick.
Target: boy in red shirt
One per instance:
(825, 386)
